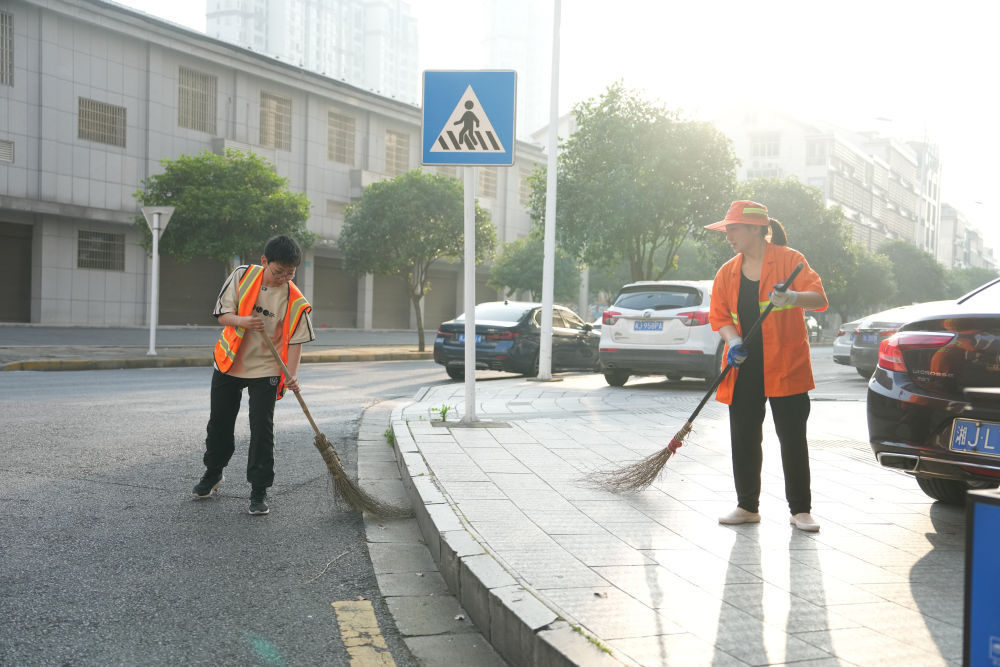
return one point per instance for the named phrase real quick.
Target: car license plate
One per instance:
(461, 338)
(868, 339)
(975, 437)
(648, 325)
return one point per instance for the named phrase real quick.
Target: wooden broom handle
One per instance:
(284, 369)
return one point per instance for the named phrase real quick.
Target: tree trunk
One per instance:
(415, 299)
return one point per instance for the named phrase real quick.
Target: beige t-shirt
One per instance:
(254, 360)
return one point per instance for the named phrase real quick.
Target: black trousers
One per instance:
(220, 443)
(746, 421)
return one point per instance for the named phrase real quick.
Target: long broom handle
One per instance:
(284, 369)
(782, 287)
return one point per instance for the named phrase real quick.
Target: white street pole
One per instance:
(548, 262)
(469, 175)
(154, 290)
(157, 218)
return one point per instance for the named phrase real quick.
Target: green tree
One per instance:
(402, 226)
(962, 281)
(916, 274)
(867, 287)
(634, 182)
(519, 268)
(227, 206)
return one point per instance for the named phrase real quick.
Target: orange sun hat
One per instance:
(744, 212)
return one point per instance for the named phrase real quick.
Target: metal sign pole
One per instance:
(469, 174)
(157, 218)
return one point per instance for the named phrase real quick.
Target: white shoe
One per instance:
(804, 521)
(739, 515)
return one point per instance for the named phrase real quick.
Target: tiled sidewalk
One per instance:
(549, 566)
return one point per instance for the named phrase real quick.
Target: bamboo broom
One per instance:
(639, 475)
(346, 489)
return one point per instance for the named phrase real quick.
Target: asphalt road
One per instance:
(106, 559)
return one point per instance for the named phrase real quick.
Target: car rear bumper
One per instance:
(657, 362)
(512, 363)
(911, 431)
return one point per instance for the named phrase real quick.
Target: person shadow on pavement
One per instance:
(937, 580)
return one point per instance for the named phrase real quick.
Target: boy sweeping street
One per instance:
(255, 299)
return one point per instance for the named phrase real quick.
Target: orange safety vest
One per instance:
(787, 368)
(247, 290)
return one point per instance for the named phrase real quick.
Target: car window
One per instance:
(556, 319)
(988, 298)
(571, 320)
(659, 299)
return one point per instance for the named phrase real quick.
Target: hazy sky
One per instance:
(907, 68)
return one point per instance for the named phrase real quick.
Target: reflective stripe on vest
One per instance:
(232, 337)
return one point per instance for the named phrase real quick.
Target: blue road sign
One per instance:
(468, 117)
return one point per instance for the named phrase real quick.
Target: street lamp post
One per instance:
(157, 218)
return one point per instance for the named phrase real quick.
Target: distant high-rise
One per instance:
(368, 43)
(518, 36)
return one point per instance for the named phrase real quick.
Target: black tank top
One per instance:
(748, 311)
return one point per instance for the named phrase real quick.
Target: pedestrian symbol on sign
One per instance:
(477, 134)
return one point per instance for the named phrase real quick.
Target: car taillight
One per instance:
(693, 318)
(890, 351)
(610, 317)
(445, 334)
(502, 335)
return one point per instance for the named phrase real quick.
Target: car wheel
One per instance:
(455, 372)
(948, 491)
(674, 377)
(616, 378)
(532, 371)
(866, 373)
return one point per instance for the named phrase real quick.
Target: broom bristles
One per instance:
(349, 491)
(639, 475)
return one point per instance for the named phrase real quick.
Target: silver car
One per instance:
(842, 343)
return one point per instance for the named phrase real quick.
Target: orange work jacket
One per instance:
(248, 289)
(787, 369)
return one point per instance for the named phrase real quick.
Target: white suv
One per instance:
(660, 328)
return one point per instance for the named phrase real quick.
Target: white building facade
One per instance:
(94, 96)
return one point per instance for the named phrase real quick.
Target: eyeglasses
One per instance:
(281, 275)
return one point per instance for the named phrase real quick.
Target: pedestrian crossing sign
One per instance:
(468, 117)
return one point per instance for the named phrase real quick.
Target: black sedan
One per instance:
(933, 402)
(508, 338)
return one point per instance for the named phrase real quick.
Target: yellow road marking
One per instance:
(360, 632)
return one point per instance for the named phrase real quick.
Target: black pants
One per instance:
(220, 443)
(746, 420)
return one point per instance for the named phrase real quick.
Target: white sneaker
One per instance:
(804, 521)
(739, 515)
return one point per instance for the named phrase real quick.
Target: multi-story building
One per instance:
(368, 43)
(93, 96)
(887, 189)
(962, 245)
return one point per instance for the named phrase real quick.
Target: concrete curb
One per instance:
(189, 362)
(520, 626)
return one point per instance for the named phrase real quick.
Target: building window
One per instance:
(196, 100)
(765, 144)
(488, 182)
(816, 152)
(275, 121)
(100, 250)
(448, 171)
(6, 151)
(397, 153)
(6, 49)
(340, 138)
(101, 122)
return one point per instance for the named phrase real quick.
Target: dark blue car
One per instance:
(508, 338)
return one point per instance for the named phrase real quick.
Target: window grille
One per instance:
(275, 121)
(340, 138)
(6, 151)
(101, 122)
(100, 250)
(765, 144)
(487, 182)
(196, 99)
(397, 153)
(6, 49)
